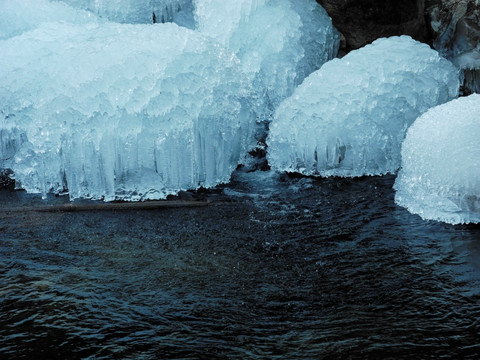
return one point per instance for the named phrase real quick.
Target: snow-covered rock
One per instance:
(350, 117)
(440, 174)
(279, 42)
(115, 111)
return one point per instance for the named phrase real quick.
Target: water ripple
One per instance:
(280, 268)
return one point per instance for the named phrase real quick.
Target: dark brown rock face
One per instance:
(363, 21)
(454, 26)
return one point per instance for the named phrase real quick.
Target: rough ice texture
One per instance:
(18, 16)
(350, 117)
(114, 111)
(440, 174)
(140, 11)
(468, 60)
(279, 42)
(469, 63)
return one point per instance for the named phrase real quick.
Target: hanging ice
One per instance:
(440, 174)
(278, 42)
(139, 11)
(18, 16)
(350, 117)
(120, 111)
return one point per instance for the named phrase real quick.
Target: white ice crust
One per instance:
(96, 104)
(139, 11)
(18, 16)
(278, 42)
(440, 174)
(350, 117)
(116, 111)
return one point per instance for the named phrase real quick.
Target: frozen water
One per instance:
(440, 174)
(140, 11)
(469, 62)
(134, 112)
(18, 16)
(278, 42)
(350, 117)
(115, 111)
(220, 19)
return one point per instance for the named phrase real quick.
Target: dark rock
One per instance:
(454, 26)
(363, 21)
(6, 179)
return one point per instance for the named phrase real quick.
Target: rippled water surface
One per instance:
(273, 268)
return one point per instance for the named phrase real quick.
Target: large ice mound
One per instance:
(279, 42)
(18, 16)
(350, 117)
(114, 111)
(440, 174)
(139, 11)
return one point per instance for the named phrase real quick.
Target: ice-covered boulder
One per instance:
(140, 11)
(350, 117)
(115, 111)
(440, 174)
(18, 16)
(279, 42)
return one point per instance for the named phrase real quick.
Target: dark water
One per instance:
(275, 268)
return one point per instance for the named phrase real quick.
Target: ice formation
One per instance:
(115, 111)
(350, 117)
(469, 63)
(140, 11)
(279, 42)
(440, 174)
(18, 16)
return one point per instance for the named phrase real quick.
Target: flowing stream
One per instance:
(275, 267)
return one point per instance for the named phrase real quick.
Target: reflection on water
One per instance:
(275, 268)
